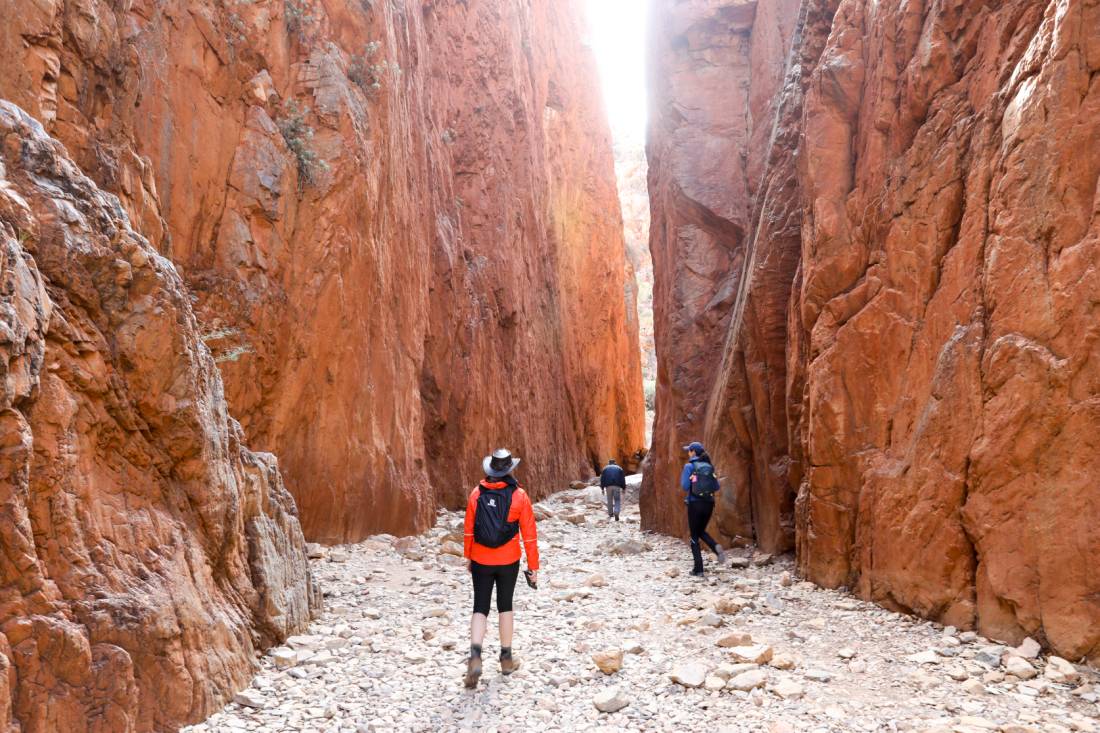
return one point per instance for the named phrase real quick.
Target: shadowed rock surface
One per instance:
(399, 220)
(912, 349)
(147, 554)
(715, 77)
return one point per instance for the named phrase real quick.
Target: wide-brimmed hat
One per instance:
(500, 464)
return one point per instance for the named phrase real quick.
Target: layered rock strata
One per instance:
(913, 351)
(147, 553)
(399, 220)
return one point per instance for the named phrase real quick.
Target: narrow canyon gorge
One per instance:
(281, 272)
(876, 244)
(384, 236)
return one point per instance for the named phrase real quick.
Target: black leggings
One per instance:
(484, 576)
(698, 517)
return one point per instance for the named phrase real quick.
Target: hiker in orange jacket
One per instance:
(497, 514)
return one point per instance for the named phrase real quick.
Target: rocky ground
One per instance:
(620, 637)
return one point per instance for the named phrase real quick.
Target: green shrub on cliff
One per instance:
(299, 138)
(367, 74)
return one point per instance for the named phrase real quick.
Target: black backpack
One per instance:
(491, 525)
(705, 484)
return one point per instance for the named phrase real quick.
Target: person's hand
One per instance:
(535, 576)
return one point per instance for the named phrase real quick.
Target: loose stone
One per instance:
(610, 700)
(691, 674)
(609, 662)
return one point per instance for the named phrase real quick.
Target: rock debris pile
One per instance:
(627, 640)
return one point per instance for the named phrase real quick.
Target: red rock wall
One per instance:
(924, 373)
(955, 238)
(147, 553)
(747, 424)
(532, 335)
(448, 280)
(714, 74)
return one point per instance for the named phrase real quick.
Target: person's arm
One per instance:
(530, 533)
(468, 539)
(685, 477)
(603, 479)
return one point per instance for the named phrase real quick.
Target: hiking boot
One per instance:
(721, 554)
(508, 665)
(616, 517)
(697, 573)
(473, 672)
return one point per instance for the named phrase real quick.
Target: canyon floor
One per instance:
(389, 651)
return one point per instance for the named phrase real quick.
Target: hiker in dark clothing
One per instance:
(700, 484)
(613, 482)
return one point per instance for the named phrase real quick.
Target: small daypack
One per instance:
(704, 483)
(491, 525)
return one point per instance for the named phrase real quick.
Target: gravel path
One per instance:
(388, 653)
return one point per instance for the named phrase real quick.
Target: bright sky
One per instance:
(617, 36)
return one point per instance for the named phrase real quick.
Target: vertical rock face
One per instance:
(532, 338)
(398, 218)
(747, 420)
(147, 553)
(913, 346)
(950, 253)
(713, 81)
(631, 172)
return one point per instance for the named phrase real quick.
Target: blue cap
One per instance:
(695, 446)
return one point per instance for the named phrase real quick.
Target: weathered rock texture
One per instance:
(714, 77)
(913, 350)
(752, 444)
(399, 219)
(147, 554)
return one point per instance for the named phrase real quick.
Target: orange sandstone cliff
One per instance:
(147, 554)
(532, 338)
(398, 220)
(904, 385)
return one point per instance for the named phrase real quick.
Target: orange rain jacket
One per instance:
(507, 553)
